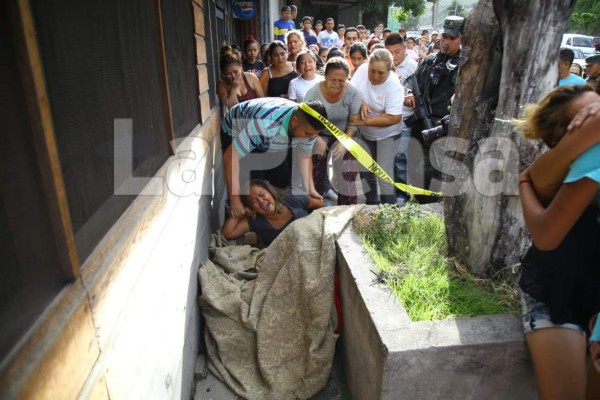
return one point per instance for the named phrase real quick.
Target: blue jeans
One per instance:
(400, 162)
(383, 151)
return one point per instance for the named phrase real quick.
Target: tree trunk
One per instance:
(509, 59)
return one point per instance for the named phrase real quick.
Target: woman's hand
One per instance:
(338, 151)
(357, 119)
(525, 176)
(314, 194)
(588, 111)
(364, 110)
(320, 148)
(409, 100)
(236, 79)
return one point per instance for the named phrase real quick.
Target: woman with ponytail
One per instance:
(235, 86)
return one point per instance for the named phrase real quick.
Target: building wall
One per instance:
(120, 321)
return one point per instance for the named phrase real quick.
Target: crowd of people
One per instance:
(382, 89)
(362, 80)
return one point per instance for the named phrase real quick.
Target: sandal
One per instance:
(595, 341)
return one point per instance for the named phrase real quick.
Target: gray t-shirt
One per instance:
(337, 113)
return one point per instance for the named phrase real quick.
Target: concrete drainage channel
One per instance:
(387, 356)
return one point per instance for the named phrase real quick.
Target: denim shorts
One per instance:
(537, 316)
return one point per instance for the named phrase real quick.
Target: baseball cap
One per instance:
(453, 25)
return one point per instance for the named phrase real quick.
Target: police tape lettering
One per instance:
(363, 157)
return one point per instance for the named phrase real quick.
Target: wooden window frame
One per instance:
(59, 356)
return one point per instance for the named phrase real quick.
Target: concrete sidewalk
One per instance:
(210, 388)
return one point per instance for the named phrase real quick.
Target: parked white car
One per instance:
(581, 42)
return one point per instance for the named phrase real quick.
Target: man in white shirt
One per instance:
(328, 38)
(405, 67)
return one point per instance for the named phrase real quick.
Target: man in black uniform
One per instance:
(436, 77)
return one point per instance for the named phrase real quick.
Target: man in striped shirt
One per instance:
(283, 24)
(266, 128)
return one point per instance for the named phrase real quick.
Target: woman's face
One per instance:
(410, 43)
(278, 56)
(575, 69)
(378, 72)
(294, 44)
(232, 71)
(307, 66)
(335, 81)
(252, 52)
(357, 59)
(261, 201)
(263, 51)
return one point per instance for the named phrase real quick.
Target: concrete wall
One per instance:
(144, 293)
(387, 356)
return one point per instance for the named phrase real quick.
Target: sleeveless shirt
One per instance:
(250, 92)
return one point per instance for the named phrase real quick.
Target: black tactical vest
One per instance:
(437, 76)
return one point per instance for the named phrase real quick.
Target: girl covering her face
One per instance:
(560, 280)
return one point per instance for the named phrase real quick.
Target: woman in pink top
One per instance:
(410, 49)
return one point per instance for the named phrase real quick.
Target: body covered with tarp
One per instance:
(270, 316)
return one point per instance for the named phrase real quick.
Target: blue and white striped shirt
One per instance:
(262, 124)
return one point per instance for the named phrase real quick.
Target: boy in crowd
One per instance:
(283, 24)
(404, 67)
(328, 38)
(350, 37)
(309, 35)
(362, 33)
(565, 59)
(318, 27)
(385, 34)
(341, 28)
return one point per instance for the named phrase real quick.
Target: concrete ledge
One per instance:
(387, 356)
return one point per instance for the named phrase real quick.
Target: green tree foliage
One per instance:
(374, 11)
(401, 16)
(585, 17)
(456, 8)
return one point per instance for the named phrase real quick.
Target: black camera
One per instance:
(431, 135)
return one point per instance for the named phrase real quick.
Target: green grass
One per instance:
(409, 247)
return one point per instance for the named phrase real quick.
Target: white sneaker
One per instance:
(331, 195)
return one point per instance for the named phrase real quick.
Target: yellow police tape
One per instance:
(363, 157)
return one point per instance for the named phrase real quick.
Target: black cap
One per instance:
(591, 60)
(453, 25)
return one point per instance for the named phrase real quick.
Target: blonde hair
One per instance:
(228, 56)
(297, 33)
(548, 119)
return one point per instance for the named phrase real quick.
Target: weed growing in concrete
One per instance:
(408, 245)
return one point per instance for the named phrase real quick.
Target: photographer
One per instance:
(436, 78)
